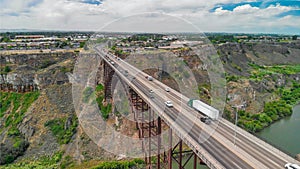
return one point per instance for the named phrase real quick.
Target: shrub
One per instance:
(272, 112)
(120, 164)
(105, 109)
(62, 134)
(7, 69)
(232, 78)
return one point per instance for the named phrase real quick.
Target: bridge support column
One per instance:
(108, 74)
(170, 151)
(150, 129)
(158, 133)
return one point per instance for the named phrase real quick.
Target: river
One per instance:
(285, 133)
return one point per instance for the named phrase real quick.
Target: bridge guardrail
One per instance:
(261, 141)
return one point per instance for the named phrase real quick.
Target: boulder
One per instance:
(298, 157)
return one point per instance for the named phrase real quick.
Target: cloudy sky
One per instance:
(248, 16)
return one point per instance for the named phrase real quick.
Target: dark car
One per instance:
(205, 120)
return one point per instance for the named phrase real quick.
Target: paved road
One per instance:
(249, 151)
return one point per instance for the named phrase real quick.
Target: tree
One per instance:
(82, 44)
(294, 37)
(7, 69)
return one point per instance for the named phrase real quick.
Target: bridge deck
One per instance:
(218, 151)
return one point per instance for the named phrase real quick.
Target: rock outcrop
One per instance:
(298, 157)
(35, 72)
(19, 81)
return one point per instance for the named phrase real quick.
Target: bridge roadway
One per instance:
(219, 150)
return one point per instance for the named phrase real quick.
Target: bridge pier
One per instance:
(108, 75)
(150, 129)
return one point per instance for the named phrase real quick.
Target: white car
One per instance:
(169, 104)
(292, 166)
(167, 89)
(150, 78)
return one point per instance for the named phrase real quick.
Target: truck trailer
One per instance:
(204, 108)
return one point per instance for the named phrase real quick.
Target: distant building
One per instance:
(169, 37)
(187, 43)
(80, 39)
(241, 37)
(29, 36)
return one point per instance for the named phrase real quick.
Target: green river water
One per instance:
(285, 133)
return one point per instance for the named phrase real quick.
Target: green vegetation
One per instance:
(82, 44)
(273, 111)
(88, 96)
(227, 115)
(4, 70)
(105, 109)
(18, 148)
(260, 72)
(43, 162)
(236, 67)
(219, 38)
(5, 103)
(65, 69)
(118, 52)
(67, 162)
(136, 163)
(13, 107)
(232, 78)
(5, 39)
(61, 130)
(290, 96)
(7, 69)
(19, 104)
(57, 161)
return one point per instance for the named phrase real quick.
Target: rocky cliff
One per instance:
(35, 72)
(49, 127)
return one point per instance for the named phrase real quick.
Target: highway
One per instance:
(218, 149)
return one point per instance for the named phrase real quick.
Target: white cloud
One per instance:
(75, 15)
(247, 8)
(272, 10)
(220, 11)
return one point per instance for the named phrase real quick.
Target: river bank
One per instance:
(285, 133)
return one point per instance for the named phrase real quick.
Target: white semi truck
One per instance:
(204, 108)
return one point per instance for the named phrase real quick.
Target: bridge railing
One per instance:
(263, 142)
